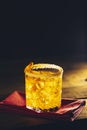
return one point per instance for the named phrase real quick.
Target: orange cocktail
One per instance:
(43, 86)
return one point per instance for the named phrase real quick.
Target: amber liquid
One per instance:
(43, 90)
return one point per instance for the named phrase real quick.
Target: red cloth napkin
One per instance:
(69, 110)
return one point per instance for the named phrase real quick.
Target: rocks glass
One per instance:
(43, 86)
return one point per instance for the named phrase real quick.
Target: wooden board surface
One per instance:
(75, 83)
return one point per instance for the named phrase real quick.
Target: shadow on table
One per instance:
(75, 125)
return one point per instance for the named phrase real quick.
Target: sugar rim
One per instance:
(46, 66)
(43, 66)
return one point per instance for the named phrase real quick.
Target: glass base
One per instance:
(45, 110)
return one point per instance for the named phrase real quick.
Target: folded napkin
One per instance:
(69, 110)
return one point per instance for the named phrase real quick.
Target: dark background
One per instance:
(40, 29)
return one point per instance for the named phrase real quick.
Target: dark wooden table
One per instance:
(74, 86)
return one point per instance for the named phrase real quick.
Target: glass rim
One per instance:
(41, 67)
